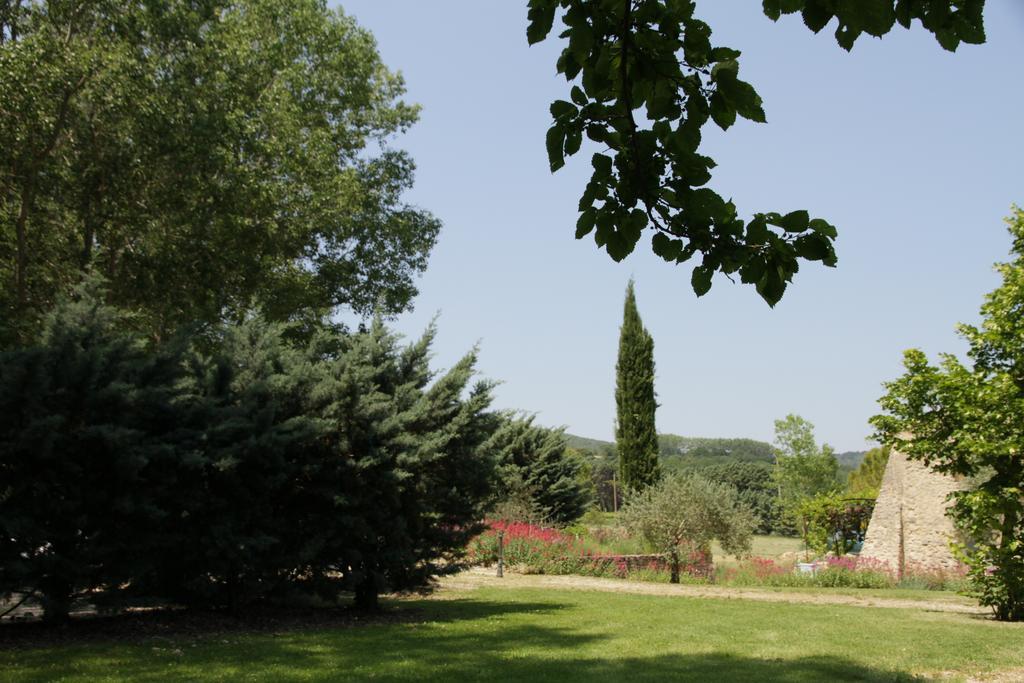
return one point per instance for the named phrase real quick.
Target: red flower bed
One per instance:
(548, 551)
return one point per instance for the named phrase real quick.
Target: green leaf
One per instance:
(903, 13)
(796, 221)
(578, 96)
(700, 279)
(687, 137)
(602, 164)
(948, 39)
(581, 41)
(619, 246)
(815, 247)
(816, 15)
(541, 16)
(555, 142)
(752, 270)
(876, 16)
(586, 222)
(771, 287)
(666, 247)
(573, 141)
(725, 69)
(823, 227)
(605, 228)
(721, 54)
(562, 109)
(743, 96)
(757, 231)
(722, 112)
(846, 36)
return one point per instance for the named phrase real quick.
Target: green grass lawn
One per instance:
(761, 546)
(519, 634)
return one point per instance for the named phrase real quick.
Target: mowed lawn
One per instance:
(761, 546)
(520, 634)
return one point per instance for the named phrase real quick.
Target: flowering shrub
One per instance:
(833, 572)
(854, 572)
(534, 549)
(842, 572)
(935, 578)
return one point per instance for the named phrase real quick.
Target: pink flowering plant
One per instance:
(535, 549)
(847, 571)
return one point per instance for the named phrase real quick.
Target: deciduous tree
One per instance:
(685, 513)
(967, 420)
(646, 78)
(202, 156)
(802, 470)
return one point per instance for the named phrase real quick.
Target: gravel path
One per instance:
(479, 577)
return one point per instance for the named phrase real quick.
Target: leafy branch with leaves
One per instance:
(646, 78)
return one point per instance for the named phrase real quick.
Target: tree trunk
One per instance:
(55, 598)
(674, 559)
(1012, 608)
(366, 595)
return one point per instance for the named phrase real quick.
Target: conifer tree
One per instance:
(88, 428)
(342, 465)
(406, 474)
(866, 480)
(635, 434)
(534, 462)
(235, 539)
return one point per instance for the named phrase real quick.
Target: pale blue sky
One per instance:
(915, 154)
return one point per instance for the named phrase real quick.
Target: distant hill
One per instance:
(585, 444)
(850, 460)
(685, 452)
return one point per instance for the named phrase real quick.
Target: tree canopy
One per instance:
(646, 78)
(684, 513)
(223, 477)
(802, 469)
(967, 420)
(202, 156)
(866, 480)
(536, 470)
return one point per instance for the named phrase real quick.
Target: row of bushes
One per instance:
(534, 549)
(253, 464)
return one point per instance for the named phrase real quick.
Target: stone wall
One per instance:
(909, 528)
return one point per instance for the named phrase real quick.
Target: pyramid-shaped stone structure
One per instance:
(909, 528)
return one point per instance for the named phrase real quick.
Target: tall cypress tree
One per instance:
(635, 434)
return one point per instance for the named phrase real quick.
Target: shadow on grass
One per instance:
(453, 640)
(140, 626)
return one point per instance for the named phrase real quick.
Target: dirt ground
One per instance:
(479, 577)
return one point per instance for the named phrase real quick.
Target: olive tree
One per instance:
(685, 513)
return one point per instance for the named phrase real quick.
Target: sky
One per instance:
(915, 154)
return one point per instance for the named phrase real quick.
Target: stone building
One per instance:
(909, 527)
